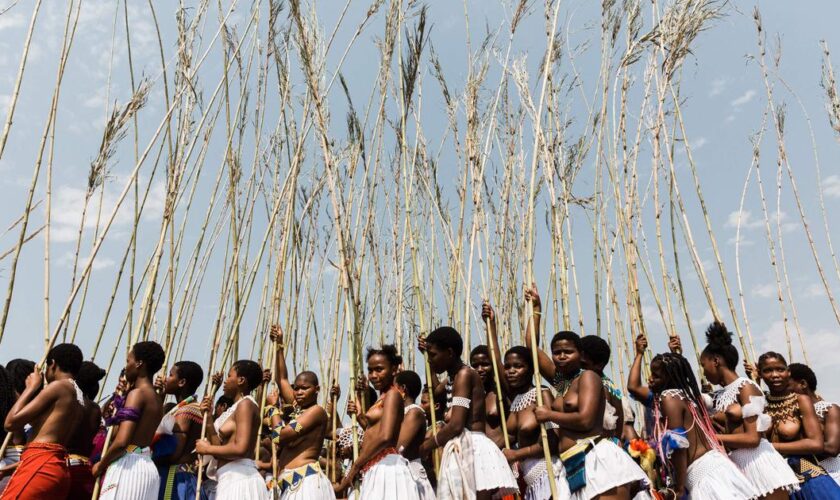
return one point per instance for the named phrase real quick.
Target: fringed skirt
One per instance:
(389, 479)
(714, 477)
(607, 467)
(534, 472)
(424, 487)
(765, 468)
(240, 479)
(492, 471)
(132, 477)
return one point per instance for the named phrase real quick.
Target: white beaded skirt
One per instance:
(765, 468)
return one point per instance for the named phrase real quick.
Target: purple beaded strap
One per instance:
(121, 413)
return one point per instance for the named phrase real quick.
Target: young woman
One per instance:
(684, 433)
(179, 429)
(516, 370)
(232, 438)
(739, 409)
(525, 430)
(413, 431)
(54, 413)
(595, 355)
(300, 440)
(386, 472)
(481, 362)
(595, 466)
(803, 380)
(81, 445)
(16, 372)
(127, 463)
(795, 431)
(471, 462)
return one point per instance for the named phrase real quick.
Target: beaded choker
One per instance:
(783, 408)
(562, 384)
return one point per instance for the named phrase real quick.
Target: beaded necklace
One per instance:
(782, 409)
(562, 384)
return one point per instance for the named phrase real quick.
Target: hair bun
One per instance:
(718, 335)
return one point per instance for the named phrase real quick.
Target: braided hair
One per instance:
(679, 375)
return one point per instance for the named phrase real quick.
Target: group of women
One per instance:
(520, 424)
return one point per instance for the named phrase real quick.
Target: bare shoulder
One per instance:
(246, 411)
(416, 414)
(805, 404)
(468, 375)
(59, 388)
(547, 395)
(671, 400)
(316, 412)
(590, 382)
(749, 389)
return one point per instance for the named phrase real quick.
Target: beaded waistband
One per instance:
(378, 458)
(74, 460)
(291, 479)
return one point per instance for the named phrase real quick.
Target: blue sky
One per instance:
(724, 100)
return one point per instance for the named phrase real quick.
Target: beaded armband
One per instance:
(294, 425)
(460, 401)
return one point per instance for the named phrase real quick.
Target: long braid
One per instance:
(679, 375)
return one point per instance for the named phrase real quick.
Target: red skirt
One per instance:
(42, 473)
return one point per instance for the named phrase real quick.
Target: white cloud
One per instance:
(652, 316)
(831, 186)
(745, 242)
(68, 205)
(96, 100)
(103, 263)
(699, 143)
(707, 317)
(746, 219)
(718, 86)
(764, 291)
(695, 145)
(814, 290)
(822, 346)
(11, 20)
(743, 98)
